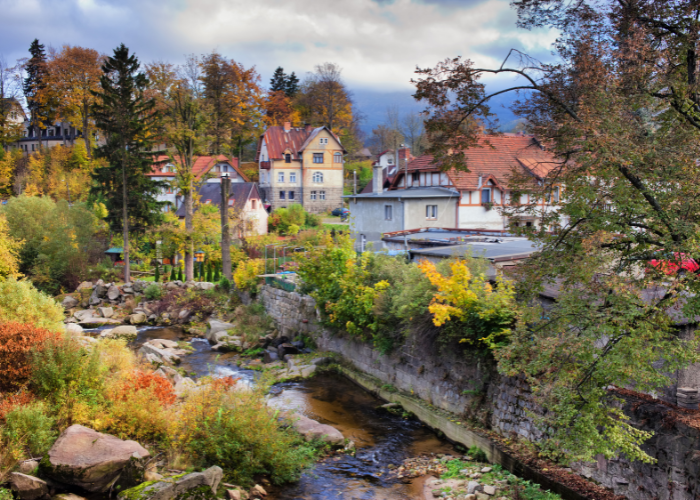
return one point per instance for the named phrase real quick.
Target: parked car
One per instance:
(340, 211)
(674, 263)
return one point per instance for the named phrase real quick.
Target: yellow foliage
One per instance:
(9, 249)
(245, 276)
(21, 302)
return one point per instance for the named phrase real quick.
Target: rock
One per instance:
(214, 326)
(486, 470)
(321, 361)
(126, 332)
(172, 285)
(28, 466)
(489, 490)
(229, 345)
(94, 322)
(220, 336)
(235, 494)
(162, 354)
(69, 302)
(137, 319)
(169, 373)
(140, 286)
(82, 315)
(164, 343)
(67, 496)
(258, 491)
(206, 286)
(311, 430)
(89, 459)
(298, 344)
(285, 349)
(184, 314)
(152, 476)
(470, 497)
(482, 496)
(184, 385)
(194, 486)
(28, 487)
(94, 299)
(84, 284)
(473, 487)
(388, 406)
(270, 357)
(100, 290)
(106, 312)
(306, 370)
(74, 329)
(128, 289)
(113, 292)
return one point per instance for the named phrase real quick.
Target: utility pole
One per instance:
(354, 182)
(225, 232)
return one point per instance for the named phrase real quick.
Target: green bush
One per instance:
(225, 284)
(153, 292)
(217, 275)
(31, 427)
(173, 274)
(312, 220)
(104, 270)
(6, 494)
(21, 302)
(477, 454)
(179, 274)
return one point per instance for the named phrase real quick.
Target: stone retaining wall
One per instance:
(459, 384)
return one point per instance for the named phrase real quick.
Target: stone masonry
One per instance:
(456, 383)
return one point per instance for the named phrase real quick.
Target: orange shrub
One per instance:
(140, 380)
(16, 342)
(224, 383)
(12, 401)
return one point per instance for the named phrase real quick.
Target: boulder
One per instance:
(101, 290)
(172, 285)
(285, 349)
(94, 299)
(489, 489)
(93, 322)
(28, 466)
(184, 314)
(321, 361)
(67, 496)
(82, 315)
(194, 486)
(113, 293)
(182, 385)
(140, 286)
(311, 430)
(258, 491)
(74, 329)
(138, 318)
(307, 370)
(162, 355)
(220, 336)
(126, 332)
(473, 487)
(163, 343)
(89, 459)
(69, 302)
(206, 286)
(84, 284)
(128, 289)
(106, 312)
(270, 357)
(215, 326)
(229, 344)
(28, 487)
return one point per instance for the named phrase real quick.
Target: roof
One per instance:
(495, 157)
(115, 250)
(512, 248)
(202, 165)
(425, 192)
(241, 192)
(296, 139)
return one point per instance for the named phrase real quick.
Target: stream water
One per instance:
(381, 438)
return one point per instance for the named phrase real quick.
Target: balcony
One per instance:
(265, 165)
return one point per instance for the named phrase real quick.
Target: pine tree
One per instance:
(179, 274)
(210, 278)
(173, 274)
(126, 117)
(291, 86)
(34, 84)
(156, 277)
(217, 276)
(279, 80)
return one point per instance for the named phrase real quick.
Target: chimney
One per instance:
(307, 128)
(378, 179)
(287, 126)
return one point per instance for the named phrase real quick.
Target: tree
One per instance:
(291, 87)
(73, 77)
(11, 126)
(34, 85)
(619, 109)
(127, 118)
(279, 109)
(278, 82)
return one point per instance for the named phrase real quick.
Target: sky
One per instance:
(377, 43)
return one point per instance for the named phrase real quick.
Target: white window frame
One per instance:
(292, 176)
(489, 191)
(280, 176)
(388, 212)
(321, 195)
(318, 156)
(317, 178)
(431, 212)
(337, 157)
(323, 140)
(312, 196)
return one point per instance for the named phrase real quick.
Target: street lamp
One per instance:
(199, 257)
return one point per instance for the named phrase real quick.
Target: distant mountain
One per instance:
(373, 105)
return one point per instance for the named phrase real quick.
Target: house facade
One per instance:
(301, 165)
(246, 209)
(486, 186)
(206, 169)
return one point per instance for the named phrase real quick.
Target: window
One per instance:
(166, 208)
(50, 132)
(317, 177)
(169, 190)
(323, 140)
(292, 177)
(388, 209)
(231, 201)
(280, 176)
(291, 195)
(282, 195)
(288, 158)
(318, 157)
(32, 147)
(431, 212)
(486, 195)
(321, 195)
(555, 194)
(252, 204)
(415, 176)
(338, 158)
(313, 195)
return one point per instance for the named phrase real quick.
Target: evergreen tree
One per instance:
(278, 82)
(173, 274)
(126, 117)
(179, 274)
(209, 275)
(156, 277)
(291, 87)
(217, 276)
(34, 84)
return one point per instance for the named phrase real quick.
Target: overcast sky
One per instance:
(378, 43)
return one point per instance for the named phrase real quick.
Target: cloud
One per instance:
(378, 43)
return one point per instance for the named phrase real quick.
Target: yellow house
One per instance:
(301, 165)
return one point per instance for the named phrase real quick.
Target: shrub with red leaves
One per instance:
(140, 380)
(11, 401)
(16, 343)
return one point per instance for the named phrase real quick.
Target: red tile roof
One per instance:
(202, 165)
(496, 156)
(278, 140)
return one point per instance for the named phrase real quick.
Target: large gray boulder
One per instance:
(153, 353)
(28, 487)
(89, 459)
(74, 329)
(106, 312)
(126, 332)
(216, 326)
(113, 293)
(138, 318)
(311, 430)
(101, 290)
(194, 486)
(69, 302)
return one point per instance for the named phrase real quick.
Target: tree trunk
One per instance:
(225, 231)
(127, 265)
(189, 249)
(86, 130)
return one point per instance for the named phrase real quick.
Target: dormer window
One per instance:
(390, 161)
(323, 140)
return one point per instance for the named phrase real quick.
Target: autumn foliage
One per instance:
(13, 401)
(16, 342)
(140, 380)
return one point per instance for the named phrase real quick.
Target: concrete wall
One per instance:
(470, 387)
